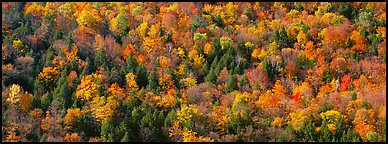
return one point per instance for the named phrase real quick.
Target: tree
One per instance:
(131, 83)
(62, 92)
(101, 59)
(346, 9)
(345, 82)
(88, 88)
(119, 25)
(48, 75)
(71, 117)
(106, 129)
(231, 85)
(226, 42)
(103, 108)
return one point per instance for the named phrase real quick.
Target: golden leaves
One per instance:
(88, 88)
(26, 101)
(187, 113)
(164, 62)
(72, 54)
(331, 116)
(207, 48)
(168, 100)
(142, 29)
(49, 74)
(189, 136)
(166, 81)
(71, 117)
(189, 81)
(131, 83)
(88, 16)
(277, 122)
(103, 108)
(175, 129)
(13, 98)
(72, 137)
(18, 44)
(18, 98)
(116, 91)
(298, 118)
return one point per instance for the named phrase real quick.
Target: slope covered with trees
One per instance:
(128, 71)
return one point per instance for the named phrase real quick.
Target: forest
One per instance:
(193, 72)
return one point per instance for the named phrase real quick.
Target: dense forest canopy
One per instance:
(194, 71)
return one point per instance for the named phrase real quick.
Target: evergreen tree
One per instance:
(69, 39)
(114, 75)
(153, 82)
(141, 77)
(101, 59)
(325, 134)
(131, 63)
(125, 138)
(49, 56)
(346, 9)
(62, 92)
(90, 65)
(231, 85)
(106, 129)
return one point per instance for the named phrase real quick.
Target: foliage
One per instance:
(194, 71)
(88, 88)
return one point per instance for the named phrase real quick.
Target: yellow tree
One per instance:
(298, 118)
(187, 113)
(167, 100)
(49, 74)
(189, 81)
(71, 54)
(71, 117)
(103, 108)
(332, 116)
(88, 88)
(302, 38)
(18, 98)
(18, 45)
(142, 29)
(13, 96)
(35, 9)
(87, 16)
(207, 48)
(166, 82)
(131, 83)
(189, 136)
(116, 91)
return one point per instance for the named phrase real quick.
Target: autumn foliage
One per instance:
(193, 71)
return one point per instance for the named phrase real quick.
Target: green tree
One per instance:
(62, 92)
(308, 130)
(231, 85)
(131, 63)
(325, 134)
(141, 76)
(107, 128)
(346, 9)
(122, 24)
(101, 59)
(125, 138)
